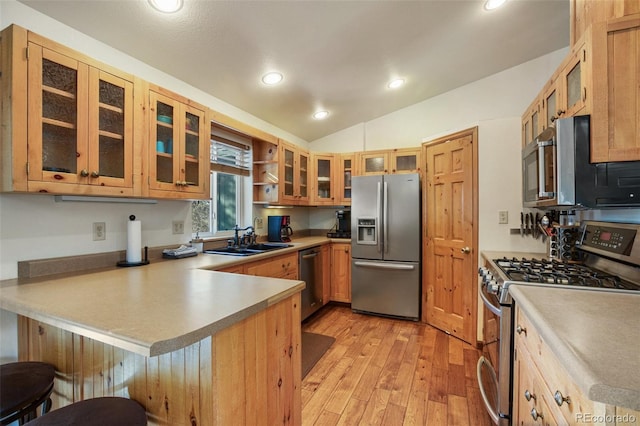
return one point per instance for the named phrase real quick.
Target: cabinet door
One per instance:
(531, 122)
(110, 130)
(615, 107)
(323, 180)
(550, 103)
(287, 161)
(194, 155)
(374, 163)
(302, 171)
(164, 143)
(57, 117)
(574, 82)
(341, 272)
(345, 173)
(405, 160)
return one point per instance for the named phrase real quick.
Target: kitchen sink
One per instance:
(248, 250)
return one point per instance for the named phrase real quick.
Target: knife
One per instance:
(522, 224)
(526, 223)
(536, 223)
(532, 224)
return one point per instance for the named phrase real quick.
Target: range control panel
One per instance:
(609, 237)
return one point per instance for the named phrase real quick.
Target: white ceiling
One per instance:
(336, 55)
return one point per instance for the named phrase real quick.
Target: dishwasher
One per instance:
(310, 263)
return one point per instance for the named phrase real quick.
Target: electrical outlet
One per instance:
(259, 223)
(503, 217)
(178, 227)
(99, 231)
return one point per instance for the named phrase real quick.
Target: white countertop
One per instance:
(594, 334)
(156, 308)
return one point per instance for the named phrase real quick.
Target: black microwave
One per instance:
(557, 172)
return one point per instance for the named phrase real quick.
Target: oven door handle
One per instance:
(495, 309)
(483, 361)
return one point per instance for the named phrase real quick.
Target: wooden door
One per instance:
(450, 243)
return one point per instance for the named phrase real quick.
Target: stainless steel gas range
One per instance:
(612, 263)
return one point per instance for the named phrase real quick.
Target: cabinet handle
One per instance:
(84, 173)
(529, 396)
(561, 399)
(536, 415)
(346, 250)
(560, 112)
(584, 94)
(95, 174)
(520, 329)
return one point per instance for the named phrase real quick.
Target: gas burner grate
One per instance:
(544, 271)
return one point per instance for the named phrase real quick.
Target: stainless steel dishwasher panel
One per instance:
(310, 265)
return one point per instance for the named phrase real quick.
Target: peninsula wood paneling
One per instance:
(248, 373)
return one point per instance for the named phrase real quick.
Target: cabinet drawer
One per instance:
(556, 380)
(285, 266)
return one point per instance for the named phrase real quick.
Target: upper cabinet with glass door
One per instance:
(395, 161)
(178, 147)
(324, 182)
(79, 133)
(294, 173)
(345, 171)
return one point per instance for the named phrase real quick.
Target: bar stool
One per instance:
(24, 386)
(104, 411)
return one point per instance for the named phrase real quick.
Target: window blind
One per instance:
(230, 151)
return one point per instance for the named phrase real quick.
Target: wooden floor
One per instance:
(383, 371)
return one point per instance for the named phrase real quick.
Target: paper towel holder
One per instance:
(145, 261)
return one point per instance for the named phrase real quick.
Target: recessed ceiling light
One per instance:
(321, 115)
(166, 6)
(272, 78)
(394, 84)
(493, 4)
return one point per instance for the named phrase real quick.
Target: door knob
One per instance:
(465, 250)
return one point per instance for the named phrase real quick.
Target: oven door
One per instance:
(539, 173)
(494, 366)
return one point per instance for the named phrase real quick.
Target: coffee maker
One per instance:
(343, 225)
(279, 228)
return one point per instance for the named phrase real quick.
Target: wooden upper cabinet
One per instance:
(575, 81)
(78, 134)
(323, 180)
(615, 108)
(373, 162)
(405, 160)
(584, 13)
(399, 160)
(178, 147)
(294, 174)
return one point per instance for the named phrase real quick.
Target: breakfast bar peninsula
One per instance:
(192, 345)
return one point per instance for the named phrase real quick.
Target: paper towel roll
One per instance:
(134, 241)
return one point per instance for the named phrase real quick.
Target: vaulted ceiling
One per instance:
(335, 55)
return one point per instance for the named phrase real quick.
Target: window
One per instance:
(230, 185)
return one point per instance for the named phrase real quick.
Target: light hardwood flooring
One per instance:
(382, 371)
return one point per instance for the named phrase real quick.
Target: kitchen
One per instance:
(499, 127)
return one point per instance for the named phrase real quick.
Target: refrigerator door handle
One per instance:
(385, 265)
(385, 218)
(378, 212)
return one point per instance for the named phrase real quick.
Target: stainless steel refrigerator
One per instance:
(385, 245)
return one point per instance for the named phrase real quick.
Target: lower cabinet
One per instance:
(340, 286)
(285, 266)
(543, 391)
